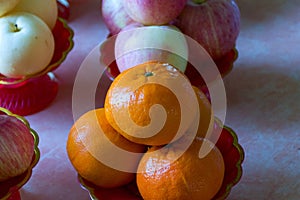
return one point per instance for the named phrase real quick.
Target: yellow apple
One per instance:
(45, 9)
(6, 6)
(26, 44)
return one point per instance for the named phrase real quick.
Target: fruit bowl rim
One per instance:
(238, 164)
(34, 161)
(11, 81)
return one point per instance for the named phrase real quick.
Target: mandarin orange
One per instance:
(161, 176)
(152, 103)
(91, 146)
(206, 120)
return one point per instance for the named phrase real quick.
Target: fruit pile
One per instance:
(214, 24)
(26, 40)
(149, 131)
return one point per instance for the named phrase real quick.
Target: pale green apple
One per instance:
(135, 45)
(26, 44)
(45, 9)
(7, 5)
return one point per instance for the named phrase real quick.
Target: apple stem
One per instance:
(16, 28)
(199, 1)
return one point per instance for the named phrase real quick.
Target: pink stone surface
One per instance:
(263, 93)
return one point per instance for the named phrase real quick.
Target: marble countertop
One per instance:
(263, 94)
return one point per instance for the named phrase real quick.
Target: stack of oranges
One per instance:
(146, 133)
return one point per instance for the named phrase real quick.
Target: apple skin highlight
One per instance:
(151, 12)
(114, 15)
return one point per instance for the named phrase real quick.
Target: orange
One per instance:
(206, 120)
(134, 101)
(161, 176)
(88, 147)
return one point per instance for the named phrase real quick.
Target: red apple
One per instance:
(16, 147)
(154, 12)
(215, 24)
(114, 15)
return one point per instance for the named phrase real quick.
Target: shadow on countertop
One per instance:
(257, 11)
(266, 96)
